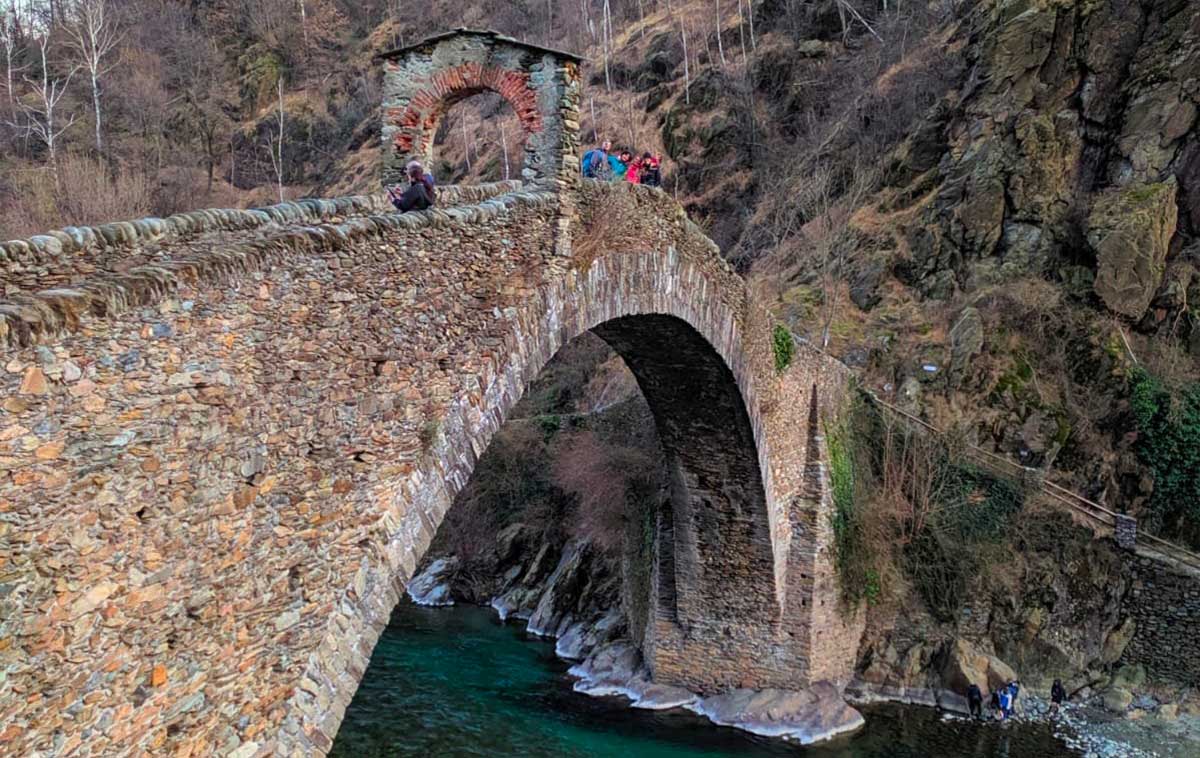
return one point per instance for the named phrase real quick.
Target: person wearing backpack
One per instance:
(595, 161)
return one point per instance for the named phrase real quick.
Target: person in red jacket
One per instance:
(632, 173)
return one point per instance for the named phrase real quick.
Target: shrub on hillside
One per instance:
(1168, 425)
(600, 477)
(909, 511)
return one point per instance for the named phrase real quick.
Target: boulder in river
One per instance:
(805, 716)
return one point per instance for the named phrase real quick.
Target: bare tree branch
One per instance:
(42, 117)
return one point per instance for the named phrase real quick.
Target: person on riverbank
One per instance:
(999, 699)
(417, 197)
(1014, 688)
(1058, 694)
(975, 701)
(1006, 702)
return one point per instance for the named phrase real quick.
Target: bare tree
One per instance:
(42, 118)
(607, 29)
(274, 145)
(303, 23)
(826, 202)
(504, 149)
(687, 74)
(9, 39)
(750, 14)
(742, 33)
(717, 19)
(467, 142)
(847, 10)
(592, 101)
(93, 33)
(197, 71)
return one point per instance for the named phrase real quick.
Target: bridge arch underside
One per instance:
(714, 556)
(721, 617)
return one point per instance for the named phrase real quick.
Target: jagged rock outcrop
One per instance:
(1131, 229)
(1070, 107)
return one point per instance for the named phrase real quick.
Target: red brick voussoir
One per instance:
(450, 85)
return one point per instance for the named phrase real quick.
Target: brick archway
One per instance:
(422, 81)
(419, 121)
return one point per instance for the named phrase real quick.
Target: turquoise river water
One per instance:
(457, 682)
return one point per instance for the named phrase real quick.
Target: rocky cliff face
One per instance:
(1069, 153)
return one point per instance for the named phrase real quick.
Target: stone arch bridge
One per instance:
(227, 437)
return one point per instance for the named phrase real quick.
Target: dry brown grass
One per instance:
(84, 192)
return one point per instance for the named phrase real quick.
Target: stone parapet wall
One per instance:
(65, 256)
(26, 318)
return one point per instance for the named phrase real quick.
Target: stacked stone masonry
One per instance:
(228, 437)
(216, 484)
(67, 256)
(1164, 603)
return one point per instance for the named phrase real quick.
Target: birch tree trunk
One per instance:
(93, 33)
(504, 149)
(750, 13)
(466, 141)
(687, 74)
(607, 32)
(720, 45)
(275, 147)
(742, 32)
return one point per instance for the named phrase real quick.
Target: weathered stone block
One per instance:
(1130, 230)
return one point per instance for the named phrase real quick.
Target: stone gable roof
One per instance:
(464, 31)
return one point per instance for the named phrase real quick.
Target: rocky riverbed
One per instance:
(1105, 721)
(608, 663)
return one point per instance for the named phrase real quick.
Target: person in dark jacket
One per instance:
(975, 701)
(417, 197)
(651, 173)
(1058, 694)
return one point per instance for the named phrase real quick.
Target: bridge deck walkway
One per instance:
(70, 256)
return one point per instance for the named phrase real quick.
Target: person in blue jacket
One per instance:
(595, 161)
(619, 165)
